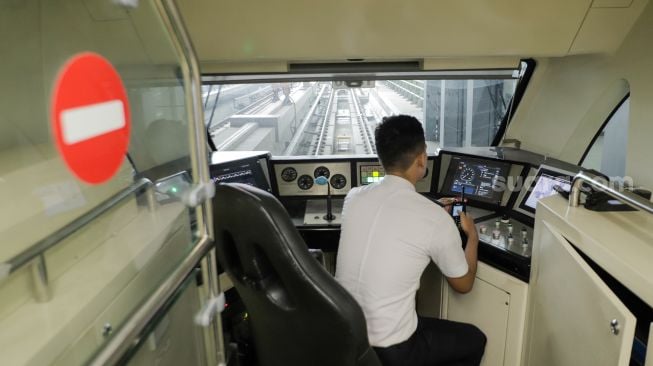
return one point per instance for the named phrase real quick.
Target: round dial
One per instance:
(338, 181)
(467, 174)
(305, 182)
(321, 171)
(289, 174)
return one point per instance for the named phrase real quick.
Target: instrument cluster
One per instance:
(299, 179)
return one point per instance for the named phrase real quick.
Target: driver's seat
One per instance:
(299, 314)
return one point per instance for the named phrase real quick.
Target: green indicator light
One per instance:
(173, 189)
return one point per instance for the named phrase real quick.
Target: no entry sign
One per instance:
(90, 117)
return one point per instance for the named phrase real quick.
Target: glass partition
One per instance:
(76, 258)
(172, 339)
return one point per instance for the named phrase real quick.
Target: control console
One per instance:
(507, 235)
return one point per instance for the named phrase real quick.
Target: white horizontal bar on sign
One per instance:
(82, 123)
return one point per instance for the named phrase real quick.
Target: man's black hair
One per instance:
(398, 141)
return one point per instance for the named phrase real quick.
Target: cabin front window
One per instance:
(337, 115)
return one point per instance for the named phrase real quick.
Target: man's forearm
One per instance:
(471, 252)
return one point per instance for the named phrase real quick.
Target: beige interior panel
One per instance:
(209, 67)
(611, 3)
(564, 90)
(568, 303)
(605, 27)
(340, 29)
(471, 63)
(487, 308)
(497, 305)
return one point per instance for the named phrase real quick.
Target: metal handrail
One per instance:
(34, 254)
(626, 197)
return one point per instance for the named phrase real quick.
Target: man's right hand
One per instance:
(467, 224)
(465, 283)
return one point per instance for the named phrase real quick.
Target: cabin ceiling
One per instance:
(227, 31)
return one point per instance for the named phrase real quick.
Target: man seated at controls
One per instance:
(389, 234)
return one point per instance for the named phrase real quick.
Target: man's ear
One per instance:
(422, 159)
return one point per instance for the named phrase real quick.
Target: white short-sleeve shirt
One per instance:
(389, 235)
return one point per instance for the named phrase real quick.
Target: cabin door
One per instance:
(574, 318)
(99, 148)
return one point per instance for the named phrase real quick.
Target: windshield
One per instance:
(339, 117)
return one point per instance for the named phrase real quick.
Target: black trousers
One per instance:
(437, 342)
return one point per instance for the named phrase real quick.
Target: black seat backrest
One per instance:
(299, 314)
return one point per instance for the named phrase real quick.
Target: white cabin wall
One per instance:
(573, 96)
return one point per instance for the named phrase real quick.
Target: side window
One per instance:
(607, 151)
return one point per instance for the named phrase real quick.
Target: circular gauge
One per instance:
(305, 182)
(338, 181)
(321, 171)
(289, 174)
(467, 174)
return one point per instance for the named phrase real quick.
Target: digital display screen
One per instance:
(245, 176)
(478, 178)
(543, 187)
(371, 173)
(246, 173)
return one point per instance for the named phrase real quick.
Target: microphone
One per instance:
(322, 180)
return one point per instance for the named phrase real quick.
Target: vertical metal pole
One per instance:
(150, 196)
(442, 108)
(199, 157)
(214, 284)
(469, 113)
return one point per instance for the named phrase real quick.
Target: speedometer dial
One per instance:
(467, 174)
(305, 182)
(321, 171)
(289, 174)
(338, 181)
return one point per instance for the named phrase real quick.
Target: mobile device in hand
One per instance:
(456, 208)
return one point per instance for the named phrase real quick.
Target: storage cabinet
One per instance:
(497, 306)
(574, 318)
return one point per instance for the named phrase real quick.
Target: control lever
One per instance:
(322, 180)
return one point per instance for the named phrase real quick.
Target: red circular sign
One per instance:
(90, 117)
